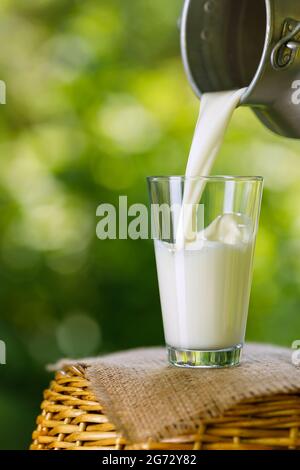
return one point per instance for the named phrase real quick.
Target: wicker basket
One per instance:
(73, 419)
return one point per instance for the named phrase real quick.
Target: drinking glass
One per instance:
(204, 232)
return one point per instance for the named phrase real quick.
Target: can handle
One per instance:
(284, 52)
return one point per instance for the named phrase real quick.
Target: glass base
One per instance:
(214, 358)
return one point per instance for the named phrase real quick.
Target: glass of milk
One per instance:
(204, 232)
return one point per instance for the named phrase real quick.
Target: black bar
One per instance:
(136, 459)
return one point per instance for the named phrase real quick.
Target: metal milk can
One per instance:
(230, 44)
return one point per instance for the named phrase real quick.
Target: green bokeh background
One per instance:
(96, 100)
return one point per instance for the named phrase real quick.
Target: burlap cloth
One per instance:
(147, 398)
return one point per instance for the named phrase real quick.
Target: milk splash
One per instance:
(215, 113)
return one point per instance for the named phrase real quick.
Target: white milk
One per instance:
(205, 288)
(205, 283)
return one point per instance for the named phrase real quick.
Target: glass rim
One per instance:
(212, 178)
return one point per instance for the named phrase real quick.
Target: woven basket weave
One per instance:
(73, 419)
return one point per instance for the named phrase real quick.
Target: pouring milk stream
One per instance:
(207, 279)
(215, 113)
